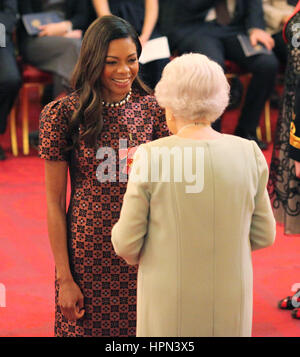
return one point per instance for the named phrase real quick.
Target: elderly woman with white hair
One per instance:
(196, 205)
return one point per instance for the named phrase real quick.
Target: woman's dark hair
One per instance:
(87, 73)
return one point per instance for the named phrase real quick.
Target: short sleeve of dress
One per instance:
(53, 132)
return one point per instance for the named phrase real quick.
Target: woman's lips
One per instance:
(122, 82)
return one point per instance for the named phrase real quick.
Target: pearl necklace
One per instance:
(117, 104)
(189, 125)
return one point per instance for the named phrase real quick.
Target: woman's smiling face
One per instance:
(120, 69)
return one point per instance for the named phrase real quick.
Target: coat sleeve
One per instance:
(254, 14)
(263, 225)
(294, 147)
(25, 7)
(129, 232)
(8, 17)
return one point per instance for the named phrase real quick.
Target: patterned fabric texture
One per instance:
(107, 282)
(284, 186)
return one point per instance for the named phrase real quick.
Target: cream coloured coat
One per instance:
(194, 249)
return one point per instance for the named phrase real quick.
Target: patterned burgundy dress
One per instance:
(106, 281)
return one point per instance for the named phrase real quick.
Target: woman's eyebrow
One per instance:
(132, 54)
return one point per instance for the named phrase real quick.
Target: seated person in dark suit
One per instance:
(57, 46)
(143, 16)
(211, 27)
(10, 79)
(276, 13)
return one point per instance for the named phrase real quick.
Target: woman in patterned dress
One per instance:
(284, 185)
(292, 137)
(81, 133)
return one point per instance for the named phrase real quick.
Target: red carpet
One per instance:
(27, 269)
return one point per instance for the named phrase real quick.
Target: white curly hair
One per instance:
(193, 87)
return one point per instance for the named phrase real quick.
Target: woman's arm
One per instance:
(150, 20)
(70, 296)
(101, 7)
(297, 168)
(55, 29)
(56, 186)
(151, 15)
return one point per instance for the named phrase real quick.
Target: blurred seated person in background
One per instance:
(56, 48)
(211, 27)
(276, 13)
(10, 79)
(143, 16)
(193, 237)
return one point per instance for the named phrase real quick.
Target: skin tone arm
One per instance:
(151, 16)
(61, 29)
(101, 7)
(297, 167)
(55, 29)
(70, 297)
(150, 20)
